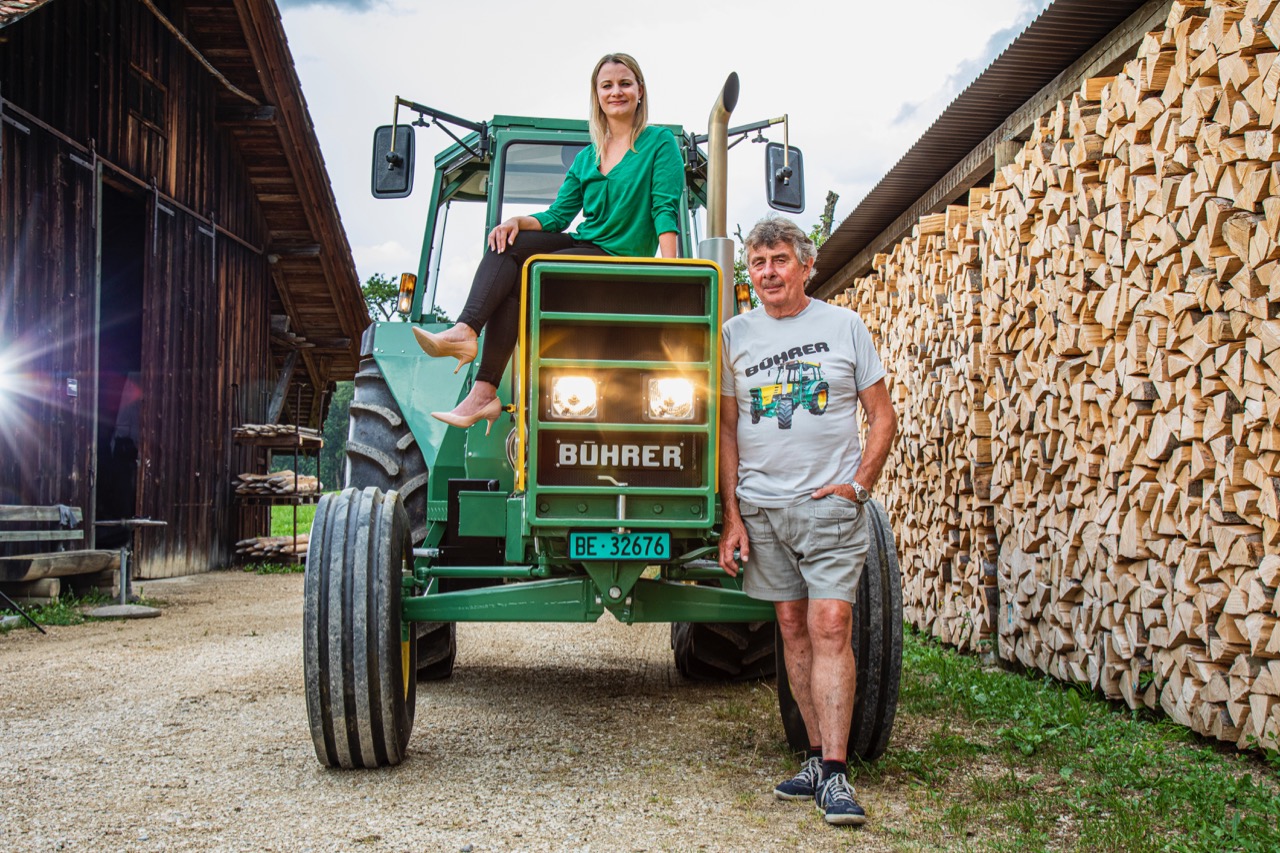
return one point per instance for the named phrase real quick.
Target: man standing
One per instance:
(794, 479)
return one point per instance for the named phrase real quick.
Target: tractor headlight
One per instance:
(573, 397)
(669, 399)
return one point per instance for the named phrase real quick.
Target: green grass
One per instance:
(1023, 762)
(282, 519)
(66, 610)
(275, 568)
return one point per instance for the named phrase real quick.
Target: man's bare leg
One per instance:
(793, 622)
(833, 680)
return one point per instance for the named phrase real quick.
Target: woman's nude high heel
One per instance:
(437, 346)
(489, 412)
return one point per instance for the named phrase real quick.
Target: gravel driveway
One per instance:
(189, 732)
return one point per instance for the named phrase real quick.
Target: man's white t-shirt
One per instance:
(796, 383)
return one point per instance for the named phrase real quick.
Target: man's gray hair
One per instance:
(772, 230)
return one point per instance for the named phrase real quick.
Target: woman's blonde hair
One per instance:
(599, 124)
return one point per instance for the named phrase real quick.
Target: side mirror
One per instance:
(784, 177)
(392, 174)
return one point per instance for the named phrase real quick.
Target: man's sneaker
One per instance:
(802, 785)
(835, 799)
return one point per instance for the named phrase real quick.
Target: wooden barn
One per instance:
(1074, 279)
(172, 264)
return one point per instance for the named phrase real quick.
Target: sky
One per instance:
(860, 81)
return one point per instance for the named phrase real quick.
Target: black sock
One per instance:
(813, 752)
(830, 768)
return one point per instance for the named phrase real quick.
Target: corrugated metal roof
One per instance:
(1060, 35)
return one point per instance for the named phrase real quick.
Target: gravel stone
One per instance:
(190, 733)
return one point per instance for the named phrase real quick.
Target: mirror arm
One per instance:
(437, 117)
(394, 159)
(784, 174)
(484, 141)
(743, 129)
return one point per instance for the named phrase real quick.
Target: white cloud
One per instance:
(842, 71)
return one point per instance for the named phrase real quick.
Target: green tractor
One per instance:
(596, 491)
(801, 388)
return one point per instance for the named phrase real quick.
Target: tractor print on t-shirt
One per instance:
(798, 385)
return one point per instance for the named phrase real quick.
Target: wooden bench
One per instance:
(49, 524)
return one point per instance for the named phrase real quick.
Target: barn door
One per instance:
(121, 275)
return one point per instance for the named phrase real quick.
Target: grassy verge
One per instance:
(275, 568)
(986, 759)
(996, 760)
(67, 610)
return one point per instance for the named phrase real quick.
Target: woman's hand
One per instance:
(504, 234)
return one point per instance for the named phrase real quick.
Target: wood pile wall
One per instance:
(1086, 364)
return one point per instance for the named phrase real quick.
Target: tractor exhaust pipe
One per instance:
(717, 246)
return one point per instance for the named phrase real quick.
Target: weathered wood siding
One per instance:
(131, 100)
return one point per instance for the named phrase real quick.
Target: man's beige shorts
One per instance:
(812, 550)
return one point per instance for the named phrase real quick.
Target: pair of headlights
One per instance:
(667, 398)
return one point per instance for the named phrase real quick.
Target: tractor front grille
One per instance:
(606, 328)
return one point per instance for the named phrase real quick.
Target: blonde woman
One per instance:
(627, 185)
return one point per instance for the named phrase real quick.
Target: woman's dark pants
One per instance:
(494, 302)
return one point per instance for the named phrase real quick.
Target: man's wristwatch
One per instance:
(860, 494)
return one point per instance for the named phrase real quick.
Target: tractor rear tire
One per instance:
(785, 407)
(818, 399)
(437, 649)
(877, 646)
(723, 651)
(360, 693)
(382, 451)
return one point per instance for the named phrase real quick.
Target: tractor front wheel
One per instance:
(382, 451)
(357, 663)
(877, 646)
(785, 407)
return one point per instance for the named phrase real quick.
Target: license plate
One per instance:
(619, 546)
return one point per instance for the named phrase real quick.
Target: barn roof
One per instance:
(1062, 34)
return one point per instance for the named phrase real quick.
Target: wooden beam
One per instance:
(286, 298)
(18, 512)
(282, 388)
(317, 407)
(1123, 40)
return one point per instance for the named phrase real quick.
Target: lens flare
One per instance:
(670, 398)
(573, 397)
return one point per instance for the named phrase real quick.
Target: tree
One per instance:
(334, 454)
(381, 295)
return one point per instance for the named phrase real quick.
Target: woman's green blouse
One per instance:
(626, 210)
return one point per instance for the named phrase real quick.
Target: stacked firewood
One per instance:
(267, 548)
(248, 432)
(1118, 358)
(921, 310)
(280, 483)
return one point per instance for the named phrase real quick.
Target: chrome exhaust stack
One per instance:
(718, 246)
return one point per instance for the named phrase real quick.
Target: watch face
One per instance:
(860, 494)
